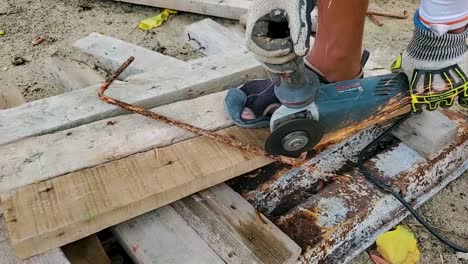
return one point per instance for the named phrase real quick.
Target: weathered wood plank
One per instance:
(69, 76)
(210, 38)
(232, 9)
(88, 201)
(109, 53)
(28, 161)
(427, 132)
(86, 251)
(7, 255)
(162, 236)
(234, 229)
(149, 90)
(13, 98)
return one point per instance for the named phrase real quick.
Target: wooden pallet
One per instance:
(122, 166)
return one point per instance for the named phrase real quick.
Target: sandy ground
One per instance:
(61, 23)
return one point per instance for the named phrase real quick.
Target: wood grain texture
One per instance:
(12, 98)
(7, 255)
(68, 76)
(234, 229)
(211, 38)
(88, 201)
(109, 53)
(232, 9)
(427, 133)
(86, 251)
(28, 161)
(163, 86)
(162, 236)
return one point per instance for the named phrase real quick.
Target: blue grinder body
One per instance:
(349, 102)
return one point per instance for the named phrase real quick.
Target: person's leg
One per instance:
(436, 59)
(337, 49)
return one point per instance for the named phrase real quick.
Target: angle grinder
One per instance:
(310, 110)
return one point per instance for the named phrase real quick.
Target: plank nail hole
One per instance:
(69, 133)
(111, 123)
(61, 234)
(233, 207)
(47, 190)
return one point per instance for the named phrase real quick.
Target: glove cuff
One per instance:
(428, 46)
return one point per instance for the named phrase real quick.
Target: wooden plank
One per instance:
(28, 161)
(7, 255)
(109, 53)
(8, 99)
(86, 251)
(162, 236)
(428, 132)
(69, 76)
(163, 86)
(210, 38)
(234, 229)
(88, 201)
(232, 9)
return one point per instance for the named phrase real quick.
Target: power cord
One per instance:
(364, 155)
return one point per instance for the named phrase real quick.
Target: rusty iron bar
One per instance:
(374, 20)
(375, 13)
(196, 130)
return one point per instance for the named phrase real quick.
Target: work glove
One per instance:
(278, 31)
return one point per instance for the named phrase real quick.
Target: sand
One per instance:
(60, 23)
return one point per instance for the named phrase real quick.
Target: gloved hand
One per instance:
(279, 30)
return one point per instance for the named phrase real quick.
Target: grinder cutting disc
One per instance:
(294, 137)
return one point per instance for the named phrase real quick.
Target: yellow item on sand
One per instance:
(398, 246)
(2, 32)
(157, 20)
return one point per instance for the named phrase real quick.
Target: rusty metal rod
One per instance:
(375, 13)
(196, 130)
(375, 20)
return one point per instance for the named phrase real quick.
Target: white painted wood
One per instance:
(69, 76)
(210, 38)
(30, 160)
(163, 86)
(7, 256)
(428, 132)
(232, 9)
(233, 228)
(109, 53)
(163, 237)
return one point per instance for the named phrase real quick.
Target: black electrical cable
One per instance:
(382, 185)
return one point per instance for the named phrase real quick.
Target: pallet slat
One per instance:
(162, 236)
(232, 9)
(233, 228)
(88, 201)
(160, 87)
(109, 53)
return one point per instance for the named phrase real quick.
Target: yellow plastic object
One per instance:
(157, 20)
(398, 246)
(2, 32)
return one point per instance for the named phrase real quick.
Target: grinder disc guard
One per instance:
(293, 137)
